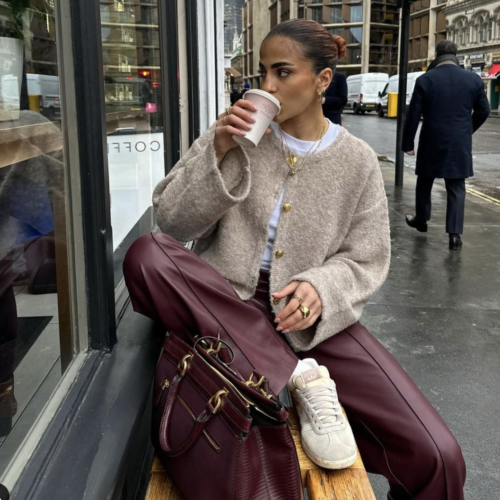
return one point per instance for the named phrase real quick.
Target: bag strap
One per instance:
(212, 407)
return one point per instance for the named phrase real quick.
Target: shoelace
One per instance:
(323, 400)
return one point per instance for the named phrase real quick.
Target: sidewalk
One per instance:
(439, 315)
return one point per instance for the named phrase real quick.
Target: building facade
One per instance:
(232, 24)
(98, 101)
(370, 29)
(427, 29)
(474, 25)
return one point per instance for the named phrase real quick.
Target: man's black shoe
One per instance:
(413, 222)
(455, 241)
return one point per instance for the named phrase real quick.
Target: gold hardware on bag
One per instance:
(255, 385)
(183, 365)
(165, 384)
(211, 350)
(217, 398)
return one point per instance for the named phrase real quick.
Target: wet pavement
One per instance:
(380, 133)
(439, 315)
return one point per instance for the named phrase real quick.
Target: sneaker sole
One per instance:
(328, 464)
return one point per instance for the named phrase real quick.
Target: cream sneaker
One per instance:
(326, 435)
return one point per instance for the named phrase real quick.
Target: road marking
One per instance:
(473, 192)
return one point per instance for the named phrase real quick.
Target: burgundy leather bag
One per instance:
(219, 436)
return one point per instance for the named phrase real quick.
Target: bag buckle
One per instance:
(217, 399)
(257, 386)
(183, 365)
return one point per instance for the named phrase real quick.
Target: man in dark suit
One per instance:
(454, 105)
(335, 98)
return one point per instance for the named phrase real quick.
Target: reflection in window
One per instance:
(354, 55)
(134, 115)
(355, 35)
(336, 15)
(336, 31)
(317, 15)
(34, 283)
(357, 14)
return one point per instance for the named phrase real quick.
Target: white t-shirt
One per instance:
(300, 148)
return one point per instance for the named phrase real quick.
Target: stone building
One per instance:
(474, 25)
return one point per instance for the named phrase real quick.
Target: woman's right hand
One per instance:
(238, 121)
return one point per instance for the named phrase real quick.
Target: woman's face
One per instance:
(289, 77)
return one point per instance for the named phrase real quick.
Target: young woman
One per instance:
(299, 228)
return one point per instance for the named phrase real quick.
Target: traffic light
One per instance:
(231, 76)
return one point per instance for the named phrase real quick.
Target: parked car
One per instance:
(393, 86)
(46, 88)
(363, 90)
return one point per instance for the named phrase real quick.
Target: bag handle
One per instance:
(213, 406)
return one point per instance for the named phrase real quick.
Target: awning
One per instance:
(494, 71)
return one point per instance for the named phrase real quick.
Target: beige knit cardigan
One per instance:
(335, 236)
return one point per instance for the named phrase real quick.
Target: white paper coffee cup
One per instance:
(267, 108)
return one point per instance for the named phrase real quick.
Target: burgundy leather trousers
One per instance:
(398, 432)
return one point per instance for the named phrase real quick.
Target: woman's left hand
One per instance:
(290, 318)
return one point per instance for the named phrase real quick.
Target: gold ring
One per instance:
(296, 297)
(228, 110)
(305, 311)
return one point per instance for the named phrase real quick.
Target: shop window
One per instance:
(36, 343)
(134, 118)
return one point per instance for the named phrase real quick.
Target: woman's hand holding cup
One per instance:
(235, 122)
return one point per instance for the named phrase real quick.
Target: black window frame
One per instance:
(112, 390)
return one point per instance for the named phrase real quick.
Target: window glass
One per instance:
(34, 285)
(353, 55)
(134, 117)
(336, 15)
(355, 35)
(357, 14)
(317, 15)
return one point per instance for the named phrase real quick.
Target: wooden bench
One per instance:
(321, 484)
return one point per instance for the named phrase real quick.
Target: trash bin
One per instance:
(392, 105)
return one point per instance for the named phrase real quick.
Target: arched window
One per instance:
(490, 30)
(485, 28)
(460, 32)
(480, 30)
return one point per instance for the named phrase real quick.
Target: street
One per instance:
(380, 134)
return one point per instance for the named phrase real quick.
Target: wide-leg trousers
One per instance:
(455, 202)
(398, 432)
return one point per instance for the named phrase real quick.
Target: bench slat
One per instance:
(346, 484)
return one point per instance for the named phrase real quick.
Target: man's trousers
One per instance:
(455, 205)
(398, 432)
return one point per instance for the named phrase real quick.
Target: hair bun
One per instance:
(341, 45)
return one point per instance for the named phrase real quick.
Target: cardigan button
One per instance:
(287, 207)
(279, 254)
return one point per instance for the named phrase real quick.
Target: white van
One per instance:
(46, 87)
(363, 90)
(393, 86)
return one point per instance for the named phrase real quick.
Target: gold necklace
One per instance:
(291, 158)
